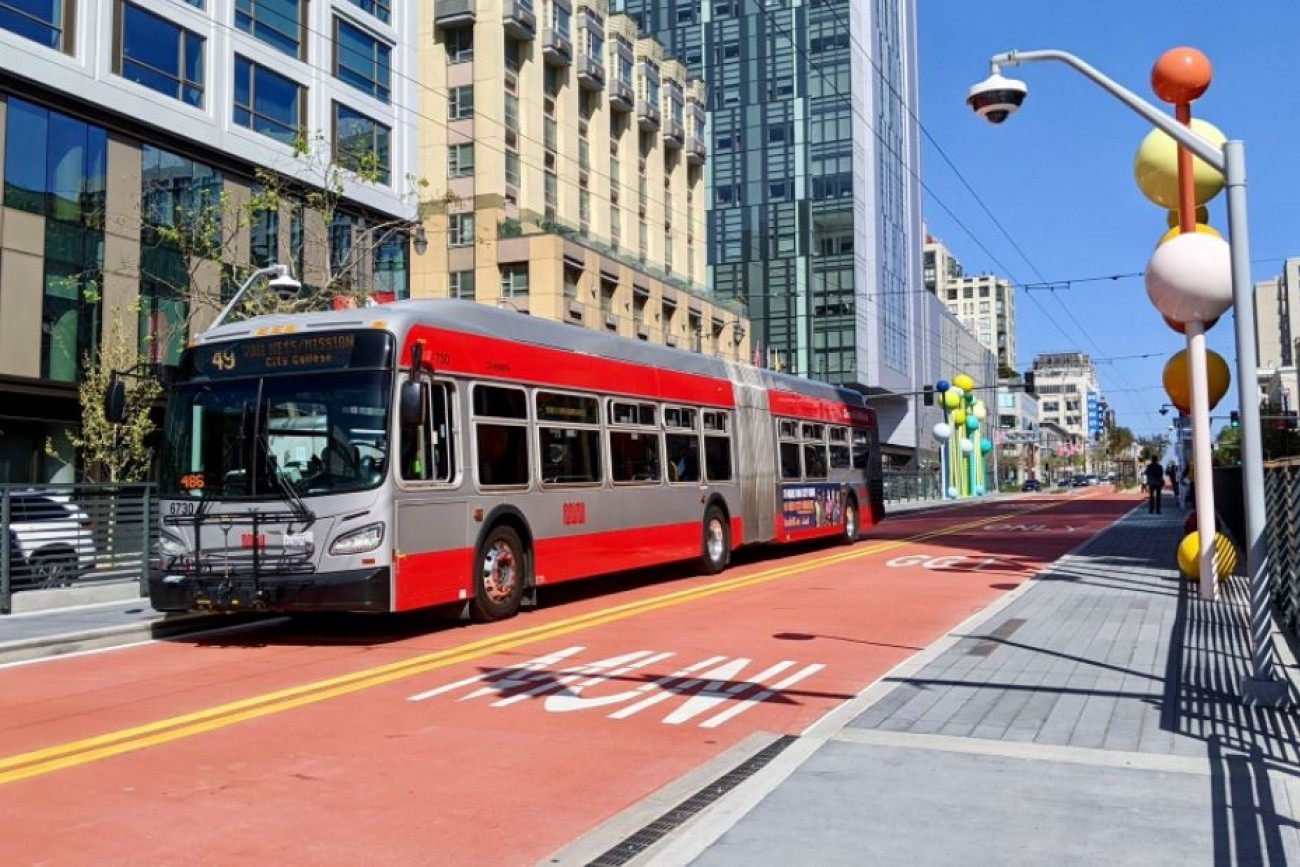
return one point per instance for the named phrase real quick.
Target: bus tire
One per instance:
(716, 549)
(499, 575)
(851, 526)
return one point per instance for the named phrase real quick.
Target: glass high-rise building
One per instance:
(814, 213)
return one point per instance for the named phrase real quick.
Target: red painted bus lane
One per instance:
(489, 745)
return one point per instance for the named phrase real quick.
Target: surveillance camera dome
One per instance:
(996, 98)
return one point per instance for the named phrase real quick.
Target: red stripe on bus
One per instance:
(472, 355)
(816, 409)
(432, 578)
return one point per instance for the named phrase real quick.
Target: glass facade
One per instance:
(42, 21)
(808, 218)
(279, 23)
(362, 60)
(267, 102)
(55, 166)
(160, 54)
(360, 143)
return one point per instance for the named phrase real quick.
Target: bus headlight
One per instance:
(358, 541)
(171, 547)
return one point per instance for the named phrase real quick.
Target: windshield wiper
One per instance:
(304, 514)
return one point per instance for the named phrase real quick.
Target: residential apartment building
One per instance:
(1068, 394)
(1277, 330)
(814, 203)
(124, 123)
(570, 152)
(985, 304)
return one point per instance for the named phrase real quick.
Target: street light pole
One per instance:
(1262, 686)
(280, 279)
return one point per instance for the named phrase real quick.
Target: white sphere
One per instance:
(942, 431)
(981, 411)
(967, 446)
(1189, 278)
(957, 390)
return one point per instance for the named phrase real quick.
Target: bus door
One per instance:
(755, 460)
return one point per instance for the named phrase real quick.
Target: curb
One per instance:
(64, 644)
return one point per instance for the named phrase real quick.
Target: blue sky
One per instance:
(1058, 176)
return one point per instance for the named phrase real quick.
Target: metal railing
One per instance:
(1282, 539)
(61, 536)
(902, 486)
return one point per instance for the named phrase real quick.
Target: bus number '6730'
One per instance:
(575, 513)
(180, 508)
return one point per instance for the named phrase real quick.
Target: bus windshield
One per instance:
(309, 434)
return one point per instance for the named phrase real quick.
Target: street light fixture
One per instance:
(282, 282)
(993, 99)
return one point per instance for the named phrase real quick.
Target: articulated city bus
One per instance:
(437, 452)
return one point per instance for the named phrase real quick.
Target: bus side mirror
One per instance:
(115, 401)
(410, 404)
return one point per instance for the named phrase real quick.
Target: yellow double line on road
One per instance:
(74, 753)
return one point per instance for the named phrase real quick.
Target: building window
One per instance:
(177, 192)
(362, 60)
(460, 160)
(391, 263)
(460, 45)
(161, 55)
(278, 23)
(267, 102)
(460, 230)
(378, 8)
(42, 21)
(460, 284)
(70, 308)
(461, 102)
(514, 280)
(361, 144)
(54, 165)
(512, 169)
(264, 236)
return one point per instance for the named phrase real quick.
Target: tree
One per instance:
(1227, 447)
(113, 452)
(1152, 446)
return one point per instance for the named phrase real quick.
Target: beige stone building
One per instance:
(565, 154)
(985, 303)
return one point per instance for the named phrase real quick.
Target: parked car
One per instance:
(1079, 480)
(1031, 485)
(51, 541)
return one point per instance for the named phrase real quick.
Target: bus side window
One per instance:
(444, 463)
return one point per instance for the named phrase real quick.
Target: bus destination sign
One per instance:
(290, 353)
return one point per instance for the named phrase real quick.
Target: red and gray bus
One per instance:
(436, 452)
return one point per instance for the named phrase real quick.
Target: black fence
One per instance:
(64, 536)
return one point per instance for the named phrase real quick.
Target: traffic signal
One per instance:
(1234, 419)
(1029, 382)
(927, 395)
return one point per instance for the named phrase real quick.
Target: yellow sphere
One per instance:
(959, 417)
(963, 381)
(1202, 216)
(1200, 227)
(1189, 555)
(1156, 167)
(1177, 379)
(951, 399)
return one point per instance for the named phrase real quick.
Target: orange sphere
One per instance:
(1181, 75)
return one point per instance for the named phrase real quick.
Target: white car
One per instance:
(51, 541)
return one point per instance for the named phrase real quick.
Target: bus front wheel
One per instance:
(499, 576)
(717, 542)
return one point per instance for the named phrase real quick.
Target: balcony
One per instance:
(557, 49)
(674, 134)
(591, 73)
(647, 115)
(696, 150)
(450, 14)
(518, 19)
(621, 97)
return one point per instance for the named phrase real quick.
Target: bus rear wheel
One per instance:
(717, 542)
(498, 576)
(851, 529)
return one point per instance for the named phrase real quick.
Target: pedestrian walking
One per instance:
(1189, 489)
(1172, 472)
(1155, 479)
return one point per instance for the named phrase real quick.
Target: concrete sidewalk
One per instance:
(1090, 717)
